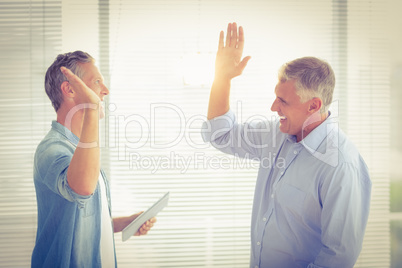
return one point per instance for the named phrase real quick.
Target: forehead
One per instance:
(286, 89)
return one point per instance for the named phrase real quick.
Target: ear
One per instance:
(315, 105)
(67, 89)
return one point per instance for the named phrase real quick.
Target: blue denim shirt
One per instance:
(312, 198)
(69, 224)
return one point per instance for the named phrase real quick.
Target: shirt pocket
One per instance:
(89, 210)
(291, 199)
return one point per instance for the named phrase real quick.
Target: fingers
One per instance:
(228, 34)
(243, 63)
(71, 77)
(145, 227)
(221, 37)
(233, 38)
(67, 73)
(240, 43)
(229, 62)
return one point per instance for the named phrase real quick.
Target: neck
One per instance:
(311, 123)
(71, 118)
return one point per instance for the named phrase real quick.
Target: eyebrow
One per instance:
(281, 99)
(99, 78)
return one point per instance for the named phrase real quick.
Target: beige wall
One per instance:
(80, 30)
(395, 57)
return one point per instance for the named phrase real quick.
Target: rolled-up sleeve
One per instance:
(65, 191)
(51, 166)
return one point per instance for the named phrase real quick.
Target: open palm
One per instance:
(229, 62)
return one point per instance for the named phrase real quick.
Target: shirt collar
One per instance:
(65, 132)
(313, 140)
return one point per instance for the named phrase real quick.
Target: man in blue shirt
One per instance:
(312, 194)
(75, 228)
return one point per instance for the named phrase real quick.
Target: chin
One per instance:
(282, 129)
(101, 114)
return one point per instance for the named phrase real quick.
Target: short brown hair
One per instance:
(54, 77)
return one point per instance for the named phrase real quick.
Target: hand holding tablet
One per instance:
(133, 227)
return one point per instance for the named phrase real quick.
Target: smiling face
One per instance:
(293, 114)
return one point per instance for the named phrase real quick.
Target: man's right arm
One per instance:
(228, 64)
(83, 171)
(222, 131)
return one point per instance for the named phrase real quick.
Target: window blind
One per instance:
(150, 50)
(156, 107)
(367, 121)
(30, 35)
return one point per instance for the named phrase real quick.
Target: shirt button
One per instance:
(295, 152)
(281, 172)
(256, 266)
(258, 243)
(264, 219)
(272, 195)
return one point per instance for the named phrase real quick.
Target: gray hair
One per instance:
(314, 78)
(54, 77)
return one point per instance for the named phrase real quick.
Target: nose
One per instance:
(105, 90)
(274, 106)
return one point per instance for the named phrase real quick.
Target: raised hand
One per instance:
(229, 62)
(83, 93)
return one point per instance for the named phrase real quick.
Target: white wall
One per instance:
(395, 60)
(80, 26)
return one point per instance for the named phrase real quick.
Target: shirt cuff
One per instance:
(69, 194)
(209, 129)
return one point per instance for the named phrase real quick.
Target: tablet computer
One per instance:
(151, 212)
